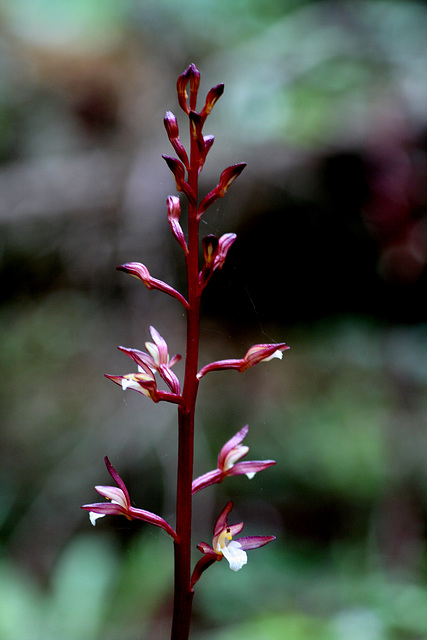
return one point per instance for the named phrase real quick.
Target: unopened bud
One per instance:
(210, 247)
(191, 75)
(213, 95)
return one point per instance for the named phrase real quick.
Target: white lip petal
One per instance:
(126, 384)
(235, 555)
(93, 517)
(276, 354)
(251, 474)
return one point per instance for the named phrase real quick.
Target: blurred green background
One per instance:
(327, 103)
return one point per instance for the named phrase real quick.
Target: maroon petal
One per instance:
(113, 473)
(213, 96)
(106, 508)
(142, 359)
(190, 75)
(224, 245)
(170, 378)
(221, 523)
(174, 212)
(250, 466)
(233, 442)
(212, 477)
(254, 542)
(205, 548)
(227, 177)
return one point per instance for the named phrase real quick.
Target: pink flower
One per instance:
(214, 252)
(158, 360)
(257, 353)
(140, 271)
(228, 463)
(223, 545)
(120, 505)
(174, 212)
(227, 177)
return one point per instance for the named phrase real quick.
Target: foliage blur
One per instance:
(327, 102)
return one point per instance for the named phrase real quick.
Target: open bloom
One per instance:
(120, 505)
(156, 360)
(257, 353)
(228, 463)
(223, 545)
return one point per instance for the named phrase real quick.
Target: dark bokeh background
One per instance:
(327, 103)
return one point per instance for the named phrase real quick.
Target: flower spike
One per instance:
(228, 465)
(120, 505)
(223, 545)
(257, 353)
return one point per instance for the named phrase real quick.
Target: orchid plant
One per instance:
(155, 365)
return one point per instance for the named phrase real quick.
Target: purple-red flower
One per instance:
(140, 271)
(120, 505)
(190, 76)
(228, 463)
(257, 353)
(223, 545)
(174, 212)
(178, 171)
(227, 177)
(171, 126)
(156, 360)
(214, 252)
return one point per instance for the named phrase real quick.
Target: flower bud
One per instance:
(224, 245)
(190, 75)
(171, 126)
(210, 247)
(174, 212)
(213, 96)
(227, 177)
(178, 171)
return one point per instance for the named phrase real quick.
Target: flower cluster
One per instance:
(155, 379)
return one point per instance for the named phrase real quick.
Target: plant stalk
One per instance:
(183, 592)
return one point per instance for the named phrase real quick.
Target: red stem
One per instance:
(183, 594)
